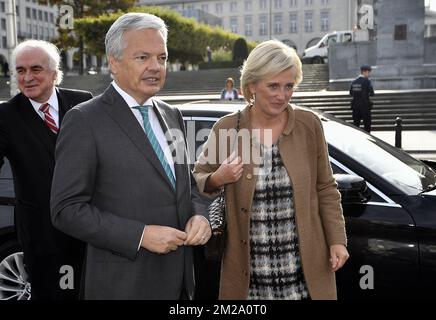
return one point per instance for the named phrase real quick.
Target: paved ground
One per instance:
(421, 144)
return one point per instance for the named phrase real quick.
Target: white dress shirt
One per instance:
(53, 109)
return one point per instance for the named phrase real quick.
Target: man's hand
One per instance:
(161, 239)
(338, 256)
(198, 231)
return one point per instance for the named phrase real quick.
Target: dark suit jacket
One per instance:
(108, 184)
(29, 146)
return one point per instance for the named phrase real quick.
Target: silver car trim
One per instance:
(389, 201)
(204, 119)
(383, 204)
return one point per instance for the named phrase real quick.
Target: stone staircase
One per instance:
(416, 108)
(212, 81)
(200, 81)
(315, 77)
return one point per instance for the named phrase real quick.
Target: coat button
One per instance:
(249, 176)
(244, 210)
(244, 272)
(243, 241)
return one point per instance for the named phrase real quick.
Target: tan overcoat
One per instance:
(318, 210)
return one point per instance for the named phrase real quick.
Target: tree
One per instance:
(187, 39)
(85, 8)
(240, 50)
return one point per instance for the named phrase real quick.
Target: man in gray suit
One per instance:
(116, 184)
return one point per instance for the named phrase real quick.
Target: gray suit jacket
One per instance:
(108, 184)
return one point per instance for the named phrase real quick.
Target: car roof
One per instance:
(214, 109)
(221, 108)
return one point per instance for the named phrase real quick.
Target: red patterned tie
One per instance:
(49, 121)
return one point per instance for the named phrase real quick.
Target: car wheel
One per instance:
(14, 283)
(317, 60)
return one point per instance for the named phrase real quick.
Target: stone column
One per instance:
(94, 60)
(69, 55)
(84, 62)
(400, 32)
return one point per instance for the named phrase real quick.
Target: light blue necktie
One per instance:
(155, 143)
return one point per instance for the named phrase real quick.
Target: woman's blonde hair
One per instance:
(268, 59)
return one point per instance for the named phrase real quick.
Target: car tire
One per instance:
(14, 284)
(317, 60)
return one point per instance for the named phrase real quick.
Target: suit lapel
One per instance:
(64, 106)
(36, 124)
(119, 111)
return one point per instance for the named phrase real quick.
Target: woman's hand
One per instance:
(338, 256)
(228, 172)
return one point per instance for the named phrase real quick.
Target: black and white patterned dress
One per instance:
(276, 271)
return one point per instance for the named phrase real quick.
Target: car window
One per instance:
(6, 184)
(331, 40)
(5, 170)
(393, 165)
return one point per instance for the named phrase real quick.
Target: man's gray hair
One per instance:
(52, 52)
(131, 21)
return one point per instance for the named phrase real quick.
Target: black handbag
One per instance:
(214, 248)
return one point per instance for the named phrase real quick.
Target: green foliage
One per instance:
(187, 40)
(221, 54)
(240, 50)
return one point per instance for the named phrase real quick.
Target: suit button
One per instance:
(244, 210)
(244, 242)
(244, 272)
(249, 176)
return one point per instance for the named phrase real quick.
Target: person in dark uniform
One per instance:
(361, 89)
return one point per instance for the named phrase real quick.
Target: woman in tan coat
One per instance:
(285, 229)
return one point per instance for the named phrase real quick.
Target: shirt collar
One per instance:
(131, 102)
(52, 101)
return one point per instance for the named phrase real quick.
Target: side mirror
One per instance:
(352, 188)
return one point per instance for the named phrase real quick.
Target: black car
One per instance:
(389, 202)
(13, 278)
